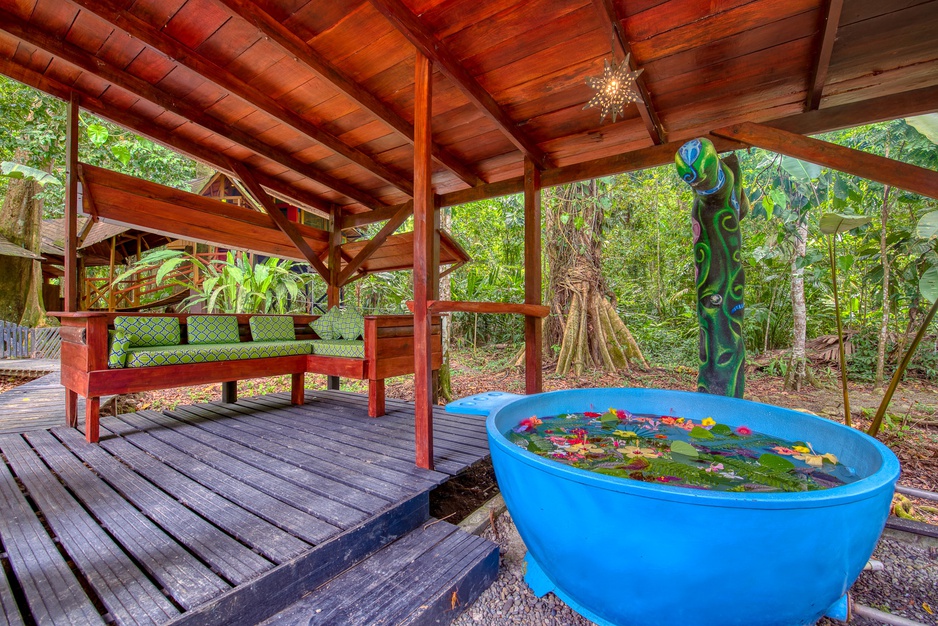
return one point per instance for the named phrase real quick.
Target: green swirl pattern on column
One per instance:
(719, 205)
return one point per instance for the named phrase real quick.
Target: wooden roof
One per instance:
(94, 247)
(315, 97)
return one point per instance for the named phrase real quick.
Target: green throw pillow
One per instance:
(350, 325)
(325, 324)
(118, 345)
(213, 329)
(149, 331)
(272, 328)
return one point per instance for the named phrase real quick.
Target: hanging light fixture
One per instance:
(615, 88)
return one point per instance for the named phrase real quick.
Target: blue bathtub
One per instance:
(629, 552)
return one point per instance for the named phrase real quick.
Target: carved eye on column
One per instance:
(716, 300)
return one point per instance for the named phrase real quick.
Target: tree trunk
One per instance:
(592, 335)
(21, 279)
(797, 368)
(884, 323)
(444, 387)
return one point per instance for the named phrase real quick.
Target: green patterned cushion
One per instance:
(213, 329)
(337, 347)
(324, 325)
(350, 325)
(272, 328)
(212, 353)
(149, 331)
(118, 344)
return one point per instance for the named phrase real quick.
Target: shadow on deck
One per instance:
(238, 513)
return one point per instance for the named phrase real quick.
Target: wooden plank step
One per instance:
(270, 541)
(188, 581)
(9, 612)
(349, 463)
(278, 513)
(412, 580)
(226, 556)
(129, 596)
(52, 591)
(225, 456)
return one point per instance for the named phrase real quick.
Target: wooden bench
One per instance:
(388, 348)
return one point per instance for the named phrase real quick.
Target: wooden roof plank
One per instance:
(427, 43)
(295, 46)
(825, 48)
(210, 71)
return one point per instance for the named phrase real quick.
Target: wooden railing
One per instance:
(22, 342)
(100, 293)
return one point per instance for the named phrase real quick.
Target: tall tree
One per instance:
(21, 278)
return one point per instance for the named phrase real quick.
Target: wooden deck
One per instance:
(37, 405)
(220, 513)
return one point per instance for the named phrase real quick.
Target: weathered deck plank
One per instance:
(190, 582)
(9, 613)
(129, 596)
(53, 593)
(226, 556)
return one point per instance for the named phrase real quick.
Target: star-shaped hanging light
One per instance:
(614, 89)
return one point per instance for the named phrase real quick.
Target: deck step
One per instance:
(428, 576)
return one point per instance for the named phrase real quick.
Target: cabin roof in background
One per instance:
(316, 97)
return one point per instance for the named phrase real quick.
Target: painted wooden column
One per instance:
(333, 290)
(425, 217)
(533, 338)
(70, 278)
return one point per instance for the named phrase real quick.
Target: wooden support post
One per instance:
(70, 279)
(92, 419)
(376, 398)
(298, 389)
(229, 391)
(71, 408)
(533, 339)
(424, 218)
(333, 288)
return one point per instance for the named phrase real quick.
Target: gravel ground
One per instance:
(908, 584)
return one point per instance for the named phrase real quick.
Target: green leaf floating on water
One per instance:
(700, 433)
(721, 429)
(684, 448)
(775, 462)
(609, 418)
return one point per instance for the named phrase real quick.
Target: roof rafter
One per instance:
(612, 22)
(427, 44)
(830, 20)
(289, 42)
(406, 210)
(146, 128)
(89, 63)
(227, 81)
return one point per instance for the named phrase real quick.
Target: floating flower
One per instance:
(714, 467)
(732, 475)
(679, 420)
(635, 451)
(668, 421)
(622, 414)
(660, 436)
(707, 422)
(528, 424)
(625, 434)
(744, 431)
(686, 425)
(590, 414)
(784, 451)
(801, 449)
(668, 479)
(585, 448)
(816, 460)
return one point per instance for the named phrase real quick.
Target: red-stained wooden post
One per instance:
(424, 231)
(333, 290)
(533, 340)
(70, 279)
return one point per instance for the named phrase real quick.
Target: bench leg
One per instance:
(71, 408)
(92, 419)
(332, 383)
(229, 392)
(298, 389)
(375, 398)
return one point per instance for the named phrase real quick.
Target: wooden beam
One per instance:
(334, 259)
(86, 62)
(870, 166)
(375, 242)
(428, 45)
(278, 218)
(71, 204)
(319, 65)
(830, 19)
(226, 80)
(612, 23)
(533, 334)
(354, 220)
(495, 308)
(424, 219)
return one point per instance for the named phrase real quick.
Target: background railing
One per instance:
(21, 342)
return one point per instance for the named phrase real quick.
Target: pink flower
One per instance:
(670, 421)
(623, 414)
(714, 467)
(783, 450)
(590, 414)
(744, 431)
(528, 424)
